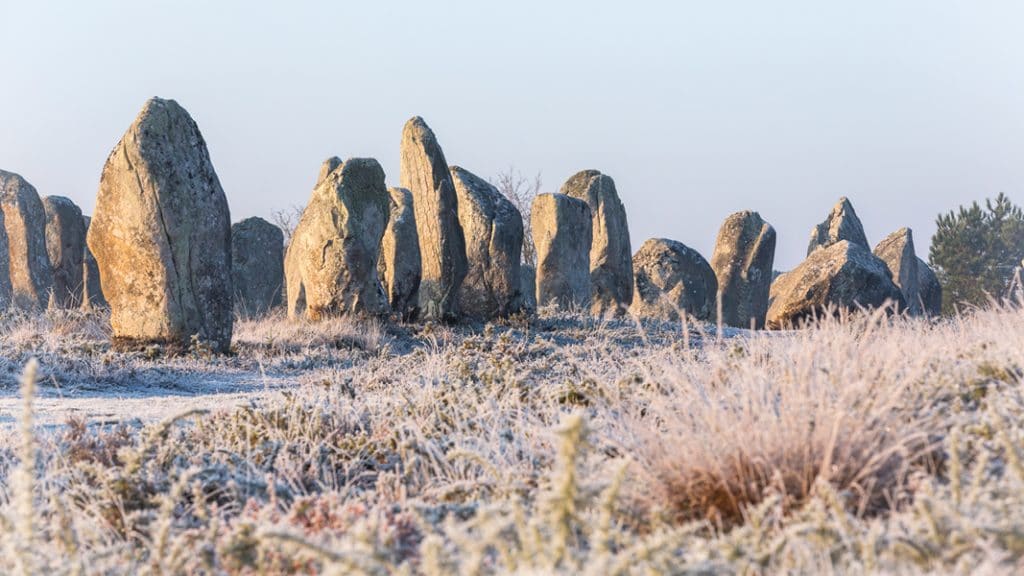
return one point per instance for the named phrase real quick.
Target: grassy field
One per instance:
(558, 444)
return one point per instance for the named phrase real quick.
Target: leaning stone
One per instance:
(257, 266)
(65, 245)
(561, 228)
(843, 276)
(493, 231)
(611, 265)
(929, 290)
(897, 251)
(842, 224)
(671, 277)
(92, 290)
(161, 235)
(742, 261)
(424, 172)
(31, 277)
(331, 264)
(399, 264)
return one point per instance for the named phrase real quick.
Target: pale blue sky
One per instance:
(697, 109)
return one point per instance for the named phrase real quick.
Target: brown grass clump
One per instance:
(781, 413)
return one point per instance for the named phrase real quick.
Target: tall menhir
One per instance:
(424, 172)
(161, 235)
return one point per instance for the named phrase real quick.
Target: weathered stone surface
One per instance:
(929, 289)
(897, 251)
(65, 245)
(611, 264)
(842, 224)
(844, 276)
(671, 277)
(562, 231)
(424, 172)
(161, 235)
(493, 231)
(257, 266)
(326, 167)
(528, 287)
(399, 263)
(5, 267)
(92, 290)
(742, 261)
(331, 265)
(25, 222)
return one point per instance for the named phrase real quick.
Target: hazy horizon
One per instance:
(696, 110)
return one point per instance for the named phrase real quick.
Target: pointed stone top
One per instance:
(423, 165)
(417, 130)
(842, 224)
(157, 110)
(902, 235)
(158, 102)
(417, 125)
(163, 132)
(328, 166)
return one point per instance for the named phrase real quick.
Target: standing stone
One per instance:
(25, 222)
(897, 251)
(742, 261)
(671, 277)
(331, 265)
(562, 232)
(65, 245)
(842, 224)
(92, 295)
(843, 276)
(929, 290)
(161, 235)
(399, 264)
(257, 266)
(528, 287)
(5, 267)
(611, 263)
(493, 231)
(424, 172)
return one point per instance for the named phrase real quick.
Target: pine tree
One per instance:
(974, 251)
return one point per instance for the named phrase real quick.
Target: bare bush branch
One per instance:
(521, 191)
(287, 219)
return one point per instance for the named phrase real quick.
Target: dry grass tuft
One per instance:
(275, 333)
(777, 414)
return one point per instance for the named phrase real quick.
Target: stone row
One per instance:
(161, 252)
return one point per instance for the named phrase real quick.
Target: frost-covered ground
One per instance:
(559, 444)
(81, 377)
